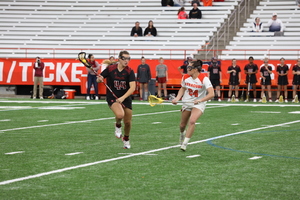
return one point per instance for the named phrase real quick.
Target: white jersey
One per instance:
(195, 89)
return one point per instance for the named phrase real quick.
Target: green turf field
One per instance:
(66, 149)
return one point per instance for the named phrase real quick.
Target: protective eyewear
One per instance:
(125, 58)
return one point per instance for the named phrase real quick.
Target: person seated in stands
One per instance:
(150, 31)
(275, 24)
(167, 3)
(195, 13)
(207, 2)
(136, 30)
(195, 1)
(257, 26)
(298, 3)
(178, 3)
(182, 14)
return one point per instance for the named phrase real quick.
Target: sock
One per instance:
(186, 140)
(118, 125)
(126, 138)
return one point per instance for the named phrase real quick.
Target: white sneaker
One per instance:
(88, 98)
(219, 100)
(286, 101)
(41, 98)
(183, 147)
(254, 100)
(34, 98)
(126, 144)
(209, 100)
(181, 138)
(260, 100)
(228, 100)
(236, 100)
(246, 100)
(118, 132)
(96, 98)
(270, 100)
(277, 101)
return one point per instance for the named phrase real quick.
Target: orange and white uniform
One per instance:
(195, 90)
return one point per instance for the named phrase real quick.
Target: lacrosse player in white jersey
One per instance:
(195, 90)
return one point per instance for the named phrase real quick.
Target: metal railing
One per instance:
(231, 24)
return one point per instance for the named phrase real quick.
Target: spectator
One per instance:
(143, 77)
(195, 1)
(296, 79)
(250, 70)
(178, 3)
(207, 2)
(167, 3)
(257, 26)
(92, 77)
(282, 71)
(234, 80)
(215, 75)
(183, 68)
(38, 67)
(136, 30)
(162, 77)
(112, 59)
(182, 14)
(195, 13)
(275, 24)
(265, 74)
(150, 30)
(298, 3)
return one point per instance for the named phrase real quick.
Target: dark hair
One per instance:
(90, 55)
(197, 64)
(142, 57)
(122, 53)
(180, 9)
(149, 24)
(250, 57)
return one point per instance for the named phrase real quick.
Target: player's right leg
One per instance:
(127, 127)
(119, 115)
(185, 115)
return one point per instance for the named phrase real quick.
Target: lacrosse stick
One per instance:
(242, 95)
(296, 99)
(83, 60)
(248, 89)
(264, 98)
(154, 100)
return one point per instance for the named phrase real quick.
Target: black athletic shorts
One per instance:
(282, 80)
(267, 82)
(296, 81)
(127, 102)
(215, 82)
(234, 83)
(252, 79)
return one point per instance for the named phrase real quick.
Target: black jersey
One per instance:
(282, 80)
(214, 71)
(296, 78)
(118, 81)
(234, 76)
(265, 72)
(251, 68)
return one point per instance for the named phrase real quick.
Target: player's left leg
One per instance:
(119, 115)
(254, 91)
(145, 86)
(165, 90)
(185, 115)
(127, 127)
(285, 93)
(195, 115)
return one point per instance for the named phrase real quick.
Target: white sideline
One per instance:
(136, 154)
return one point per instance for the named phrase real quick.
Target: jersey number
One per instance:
(119, 85)
(193, 92)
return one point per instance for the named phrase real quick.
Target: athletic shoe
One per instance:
(260, 100)
(126, 144)
(236, 100)
(270, 100)
(41, 97)
(183, 147)
(219, 100)
(181, 138)
(286, 101)
(228, 100)
(254, 100)
(293, 101)
(96, 98)
(209, 100)
(88, 98)
(246, 100)
(141, 99)
(118, 132)
(33, 97)
(277, 101)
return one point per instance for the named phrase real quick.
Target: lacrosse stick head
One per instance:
(83, 60)
(154, 100)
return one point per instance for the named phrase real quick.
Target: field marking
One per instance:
(193, 156)
(149, 154)
(266, 112)
(71, 154)
(255, 158)
(16, 152)
(136, 154)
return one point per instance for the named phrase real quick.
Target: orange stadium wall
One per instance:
(70, 72)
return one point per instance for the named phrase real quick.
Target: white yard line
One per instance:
(136, 154)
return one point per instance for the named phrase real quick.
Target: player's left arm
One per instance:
(210, 94)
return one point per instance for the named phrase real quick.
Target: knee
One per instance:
(192, 122)
(127, 123)
(119, 116)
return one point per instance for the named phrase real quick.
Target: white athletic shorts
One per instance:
(190, 106)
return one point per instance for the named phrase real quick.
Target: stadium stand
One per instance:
(59, 28)
(265, 44)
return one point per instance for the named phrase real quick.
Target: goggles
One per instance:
(125, 58)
